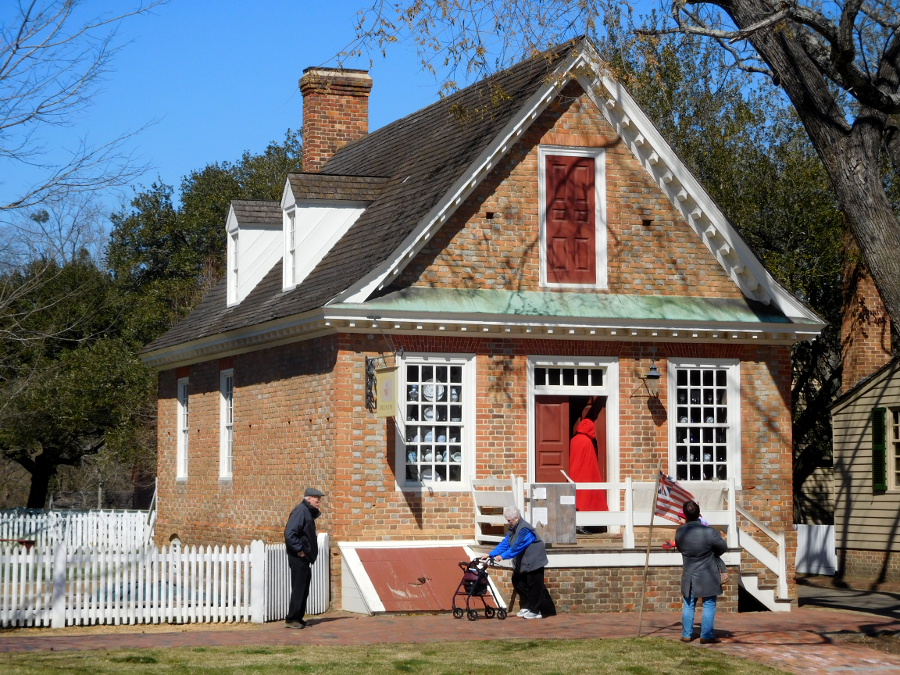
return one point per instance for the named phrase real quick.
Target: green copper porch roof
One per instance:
(593, 306)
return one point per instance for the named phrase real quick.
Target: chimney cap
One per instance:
(337, 71)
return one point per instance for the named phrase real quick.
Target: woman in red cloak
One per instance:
(583, 468)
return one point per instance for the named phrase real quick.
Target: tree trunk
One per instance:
(40, 483)
(850, 154)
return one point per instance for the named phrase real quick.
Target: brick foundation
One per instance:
(875, 566)
(615, 589)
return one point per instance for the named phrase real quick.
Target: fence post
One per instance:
(257, 581)
(58, 616)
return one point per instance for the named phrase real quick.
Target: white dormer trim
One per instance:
(318, 225)
(252, 250)
(646, 144)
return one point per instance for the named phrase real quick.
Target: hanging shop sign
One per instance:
(386, 392)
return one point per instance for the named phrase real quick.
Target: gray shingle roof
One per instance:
(257, 211)
(336, 187)
(423, 154)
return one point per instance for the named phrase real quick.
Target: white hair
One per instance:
(511, 512)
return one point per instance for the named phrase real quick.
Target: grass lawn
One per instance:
(648, 656)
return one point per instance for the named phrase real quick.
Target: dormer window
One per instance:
(291, 262)
(253, 229)
(235, 266)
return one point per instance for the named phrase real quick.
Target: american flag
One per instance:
(670, 497)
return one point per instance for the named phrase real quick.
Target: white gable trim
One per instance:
(382, 275)
(685, 192)
(646, 144)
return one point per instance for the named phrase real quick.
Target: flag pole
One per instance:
(649, 541)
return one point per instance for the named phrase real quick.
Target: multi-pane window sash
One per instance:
(228, 423)
(702, 427)
(895, 444)
(292, 257)
(434, 422)
(234, 270)
(568, 377)
(183, 428)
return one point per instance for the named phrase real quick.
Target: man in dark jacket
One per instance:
(699, 545)
(302, 549)
(527, 549)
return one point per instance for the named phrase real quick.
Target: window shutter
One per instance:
(570, 225)
(879, 446)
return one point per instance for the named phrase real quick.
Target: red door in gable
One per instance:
(551, 438)
(570, 229)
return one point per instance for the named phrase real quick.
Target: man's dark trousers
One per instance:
(301, 576)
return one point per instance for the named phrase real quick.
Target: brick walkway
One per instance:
(797, 642)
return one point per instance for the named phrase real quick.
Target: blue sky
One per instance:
(221, 77)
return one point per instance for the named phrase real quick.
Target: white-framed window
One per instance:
(436, 428)
(584, 250)
(183, 418)
(893, 448)
(704, 419)
(233, 267)
(226, 423)
(292, 247)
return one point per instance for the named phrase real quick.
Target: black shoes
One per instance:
(295, 624)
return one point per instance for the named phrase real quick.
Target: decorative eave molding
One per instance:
(684, 191)
(332, 320)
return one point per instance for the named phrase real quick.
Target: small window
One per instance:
(181, 469)
(226, 427)
(437, 441)
(233, 268)
(292, 248)
(705, 415)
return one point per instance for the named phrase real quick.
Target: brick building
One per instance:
(525, 251)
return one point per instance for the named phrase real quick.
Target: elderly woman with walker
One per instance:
(525, 547)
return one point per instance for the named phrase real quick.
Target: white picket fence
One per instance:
(87, 586)
(113, 529)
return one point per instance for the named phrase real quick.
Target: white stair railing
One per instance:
(776, 563)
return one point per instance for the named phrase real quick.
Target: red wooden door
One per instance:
(571, 234)
(551, 438)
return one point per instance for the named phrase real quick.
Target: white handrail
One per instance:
(779, 539)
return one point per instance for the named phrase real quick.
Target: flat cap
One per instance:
(312, 492)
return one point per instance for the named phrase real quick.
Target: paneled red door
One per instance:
(571, 233)
(551, 438)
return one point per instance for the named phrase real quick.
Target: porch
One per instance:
(754, 549)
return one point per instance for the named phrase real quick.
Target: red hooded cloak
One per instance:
(583, 468)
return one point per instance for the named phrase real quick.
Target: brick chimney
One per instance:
(865, 323)
(335, 112)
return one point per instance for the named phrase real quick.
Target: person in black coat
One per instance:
(302, 549)
(699, 545)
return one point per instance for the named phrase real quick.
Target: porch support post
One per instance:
(732, 515)
(628, 539)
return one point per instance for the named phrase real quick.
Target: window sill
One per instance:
(226, 479)
(181, 479)
(430, 489)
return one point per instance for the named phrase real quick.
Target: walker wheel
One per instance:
(489, 612)
(472, 615)
(458, 612)
(501, 614)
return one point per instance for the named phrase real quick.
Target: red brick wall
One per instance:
(662, 257)
(335, 112)
(865, 324)
(284, 439)
(875, 567)
(300, 419)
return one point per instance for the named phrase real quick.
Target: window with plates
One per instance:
(704, 416)
(437, 437)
